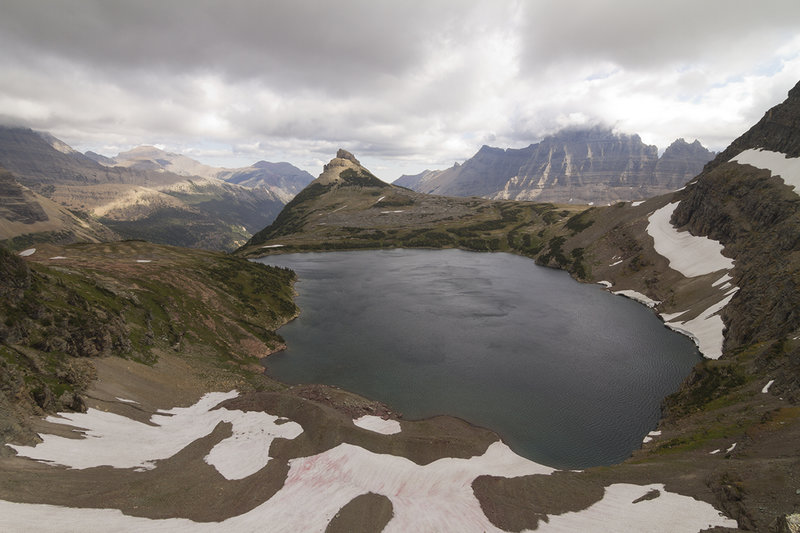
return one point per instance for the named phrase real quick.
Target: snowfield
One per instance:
(108, 437)
(706, 330)
(694, 256)
(777, 163)
(638, 296)
(378, 424)
(433, 497)
(691, 256)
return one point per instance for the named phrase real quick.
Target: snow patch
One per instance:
(715, 452)
(273, 246)
(724, 279)
(690, 255)
(378, 424)
(26, 253)
(706, 330)
(606, 284)
(777, 163)
(144, 260)
(637, 204)
(617, 512)
(58, 257)
(650, 436)
(639, 297)
(434, 497)
(668, 317)
(616, 263)
(767, 386)
(107, 438)
(247, 451)
(729, 450)
(389, 212)
(125, 400)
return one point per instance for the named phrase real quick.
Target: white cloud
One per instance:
(404, 85)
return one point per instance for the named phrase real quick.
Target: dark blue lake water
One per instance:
(566, 373)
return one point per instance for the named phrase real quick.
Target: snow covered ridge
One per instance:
(437, 496)
(694, 256)
(777, 163)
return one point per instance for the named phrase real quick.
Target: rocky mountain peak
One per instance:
(345, 169)
(574, 165)
(680, 148)
(776, 131)
(56, 143)
(344, 154)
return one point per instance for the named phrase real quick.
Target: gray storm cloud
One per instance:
(408, 84)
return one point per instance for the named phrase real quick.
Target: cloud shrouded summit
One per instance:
(406, 85)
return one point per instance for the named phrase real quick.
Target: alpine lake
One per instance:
(568, 374)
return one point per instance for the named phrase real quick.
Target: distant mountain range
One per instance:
(581, 166)
(284, 180)
(145, 193)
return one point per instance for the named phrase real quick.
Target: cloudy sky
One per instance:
(404, 84)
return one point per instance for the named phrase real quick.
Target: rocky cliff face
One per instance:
(756, 215)
(573, 166)
(679, 163)
(27, 218)
(19, 205)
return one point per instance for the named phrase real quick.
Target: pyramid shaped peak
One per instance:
(345, 169)
(344, 154)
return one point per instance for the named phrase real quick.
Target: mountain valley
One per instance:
(124, 337)
(145, 193)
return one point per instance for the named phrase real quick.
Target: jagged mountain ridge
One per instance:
(138, 201)
(593, 165)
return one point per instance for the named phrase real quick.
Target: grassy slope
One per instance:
(356, 217)
(103, 300)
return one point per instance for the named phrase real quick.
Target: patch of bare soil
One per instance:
(368, 512)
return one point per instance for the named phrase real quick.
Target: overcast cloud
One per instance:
(405, 85)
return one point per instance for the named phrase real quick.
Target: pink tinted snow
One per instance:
(433, 497)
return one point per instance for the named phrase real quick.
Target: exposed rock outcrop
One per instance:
(19, 205)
